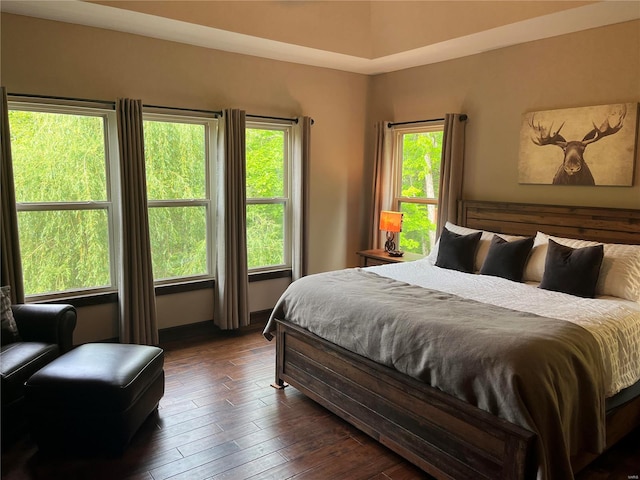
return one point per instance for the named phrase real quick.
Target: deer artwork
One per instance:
(574, 170)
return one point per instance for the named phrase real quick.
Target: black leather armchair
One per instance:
(45, 332)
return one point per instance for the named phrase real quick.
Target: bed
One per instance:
(471, 426)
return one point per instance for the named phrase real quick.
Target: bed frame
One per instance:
(444, 436)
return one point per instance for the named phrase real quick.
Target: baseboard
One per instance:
(203, 330)
(261, 317)
(206, 329)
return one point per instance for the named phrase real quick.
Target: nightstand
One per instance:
(369, 258)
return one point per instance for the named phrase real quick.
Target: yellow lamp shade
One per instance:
(391, 221)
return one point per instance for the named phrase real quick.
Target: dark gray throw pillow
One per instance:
(457, 252)
(507, 259)
(572, 270)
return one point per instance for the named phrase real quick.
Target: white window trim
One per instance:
(286, 199)
(209, 202)
(399, 132)
(111, 203)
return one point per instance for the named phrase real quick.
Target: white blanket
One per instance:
(613, 322)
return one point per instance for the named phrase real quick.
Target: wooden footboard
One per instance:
(442, 435)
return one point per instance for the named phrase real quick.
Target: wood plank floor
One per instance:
(220, 419)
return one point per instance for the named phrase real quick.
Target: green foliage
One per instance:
(176, 169)
(58, 157)
(64, 250)
(175, 160)
(265, 180)
(61, 158)
(421, 153)
(265, 163)
(265, 235)
(178, 241)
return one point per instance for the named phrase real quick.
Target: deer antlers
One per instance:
(545, 136)
(612, 123)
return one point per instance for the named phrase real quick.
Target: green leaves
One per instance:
(61, 181)
(265, 163)
(61, 158)
(175, 160)
(64, 250)
(178, 241)
(58, 157)
(420, 180)
(265, 235)
(265, 197)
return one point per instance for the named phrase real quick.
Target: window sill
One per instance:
(260, 276)
(103, 298)
(77, 301)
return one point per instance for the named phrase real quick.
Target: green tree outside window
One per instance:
(419, 186)
(60, 177)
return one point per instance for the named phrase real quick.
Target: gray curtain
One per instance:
(231, 280)
(451, 169)
(383, 176)
(300, 196)
(11, 263)
(138, 323)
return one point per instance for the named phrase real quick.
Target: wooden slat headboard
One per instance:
(607, 225)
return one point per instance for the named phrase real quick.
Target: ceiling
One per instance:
(367, 37)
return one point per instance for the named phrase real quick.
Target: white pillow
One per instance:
(619, 273)
(483, 245)
(534, 269)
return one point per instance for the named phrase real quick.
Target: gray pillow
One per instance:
(572, 270)
(507, 259)
(457, 252)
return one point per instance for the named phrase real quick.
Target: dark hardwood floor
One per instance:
(220, 419)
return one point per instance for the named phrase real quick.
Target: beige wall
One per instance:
(51, 58)
(598, 66)
(594, 67)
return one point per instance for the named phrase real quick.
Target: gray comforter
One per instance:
(540, 373)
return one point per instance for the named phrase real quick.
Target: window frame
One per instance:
(286, 200)
(111, 202)
(210, 124)
(398, 135)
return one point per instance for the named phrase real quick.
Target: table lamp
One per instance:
(391, 222)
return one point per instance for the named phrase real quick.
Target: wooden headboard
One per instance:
(607, 225)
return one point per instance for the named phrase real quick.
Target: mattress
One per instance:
(613, 322)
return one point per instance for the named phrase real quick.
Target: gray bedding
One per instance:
(540, 373)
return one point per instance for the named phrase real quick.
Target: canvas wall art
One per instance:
(579, 146)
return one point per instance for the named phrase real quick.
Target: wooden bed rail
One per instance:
(444, 436)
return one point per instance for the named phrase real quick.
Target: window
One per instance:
(61, 163)
(179, 172)
(418, 153)
(268, 154)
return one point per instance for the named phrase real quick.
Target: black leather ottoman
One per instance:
(94, 397)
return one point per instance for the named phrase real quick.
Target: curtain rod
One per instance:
(266, 117)
(111, 103)
(69, 99)
(217, 113)
(463, 117)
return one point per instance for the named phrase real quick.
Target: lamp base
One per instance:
(395, 253)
